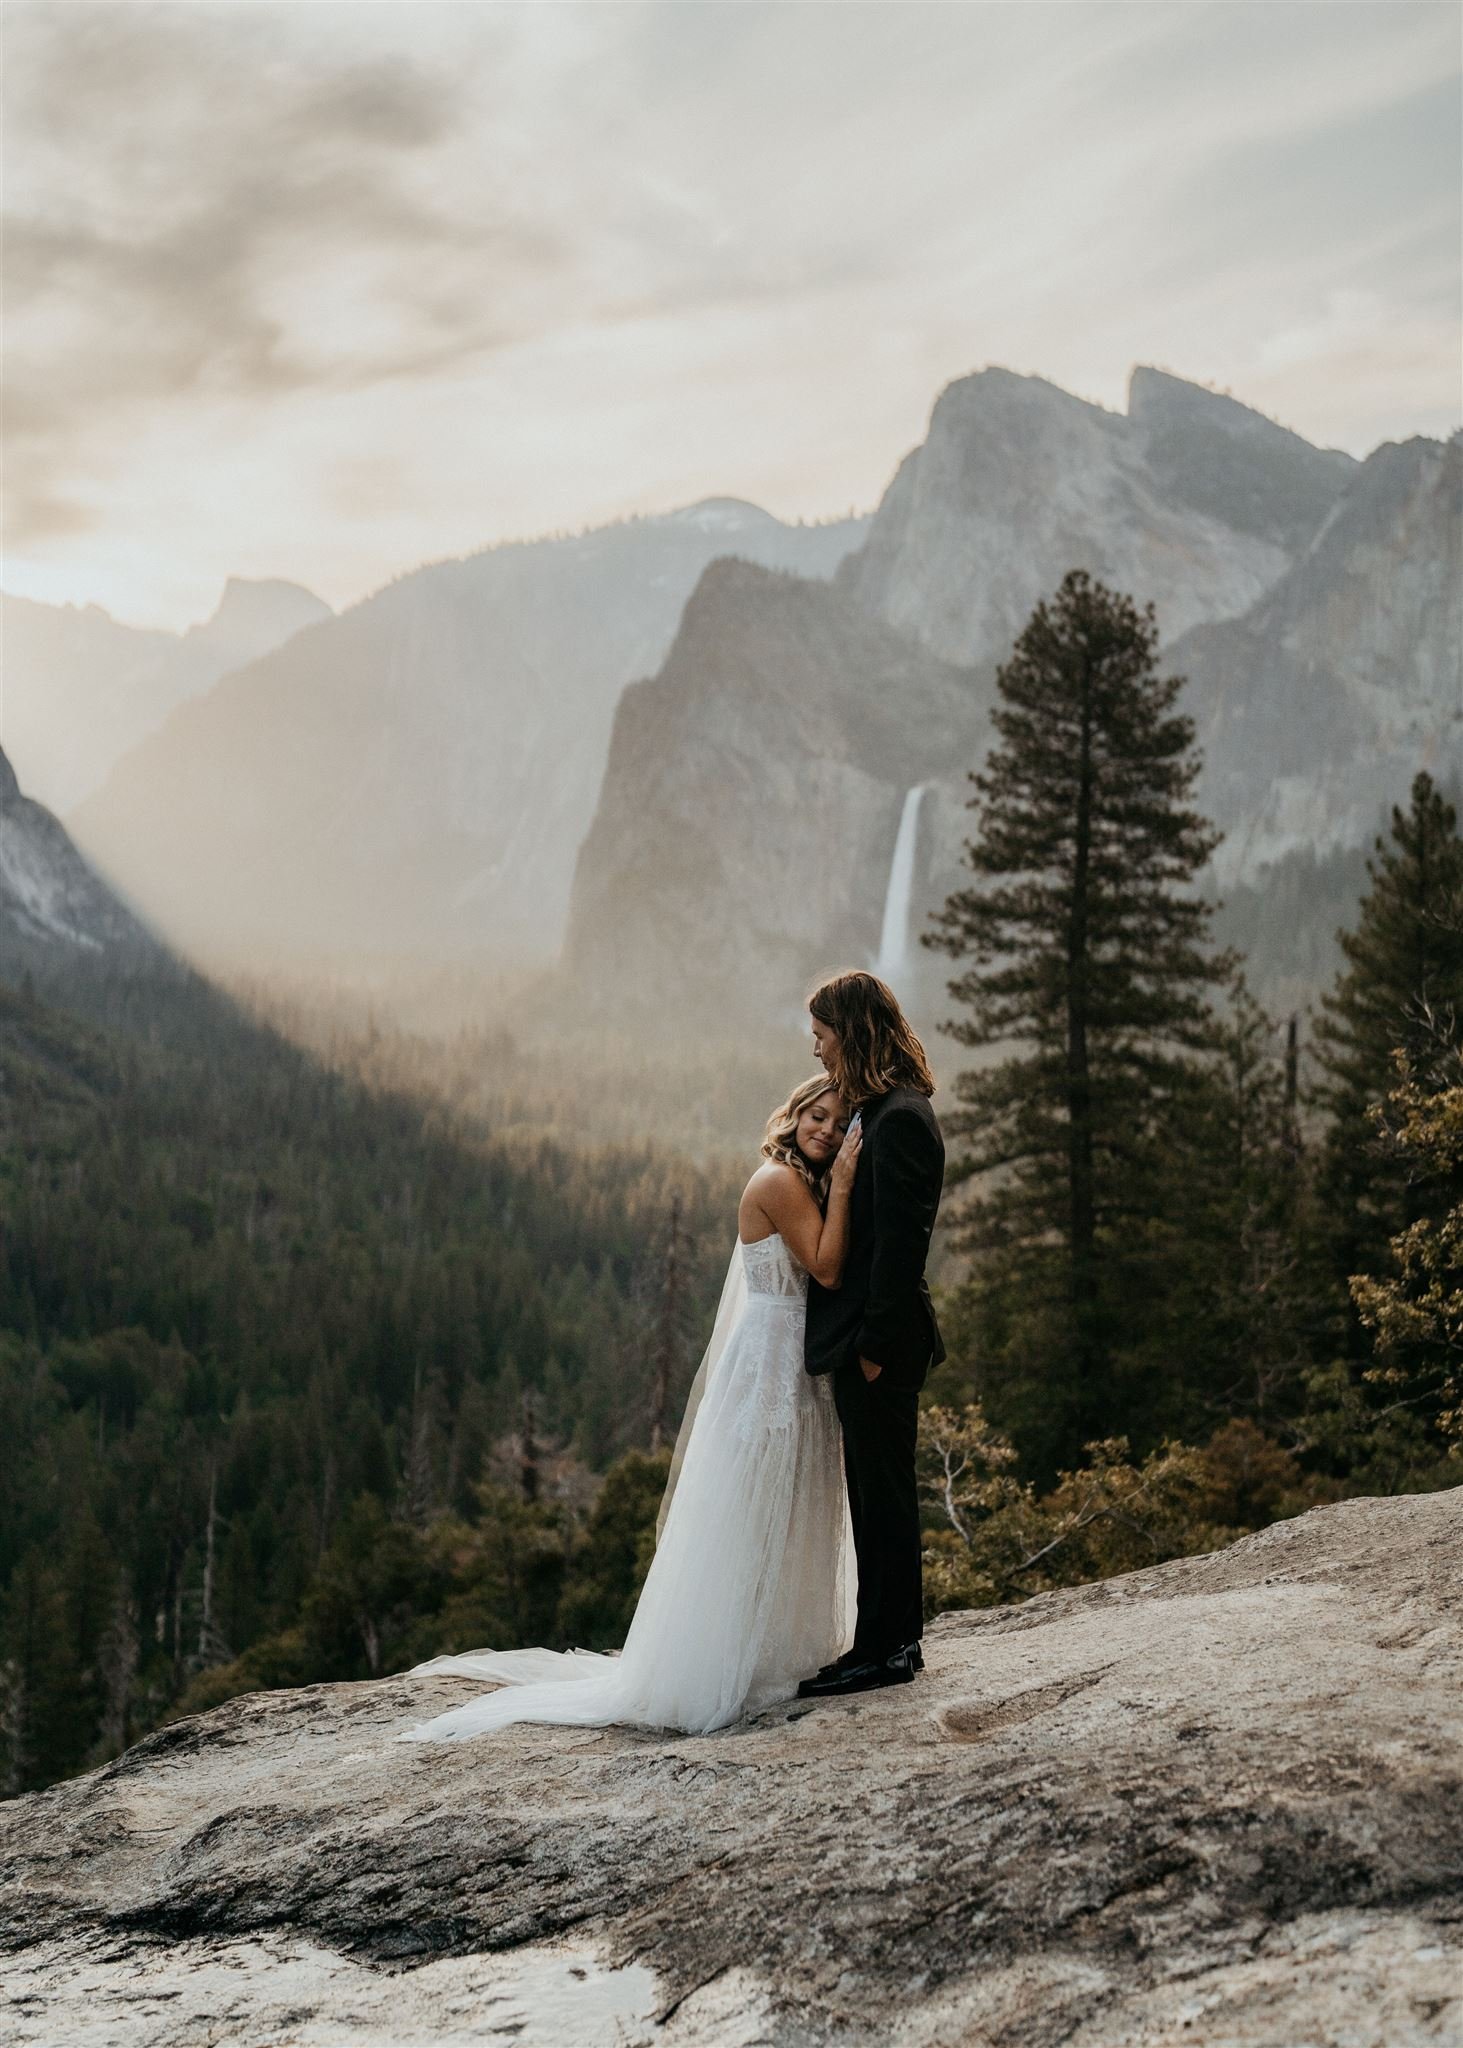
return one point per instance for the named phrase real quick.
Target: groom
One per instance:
(876, 1332)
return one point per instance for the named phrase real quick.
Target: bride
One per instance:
(753, 1582)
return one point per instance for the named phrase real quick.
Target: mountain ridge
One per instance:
(416, 773)
(1314, 704)
(1018, 481)
(82, 689)
(421, 775)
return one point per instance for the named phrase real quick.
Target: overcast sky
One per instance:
(324, 290)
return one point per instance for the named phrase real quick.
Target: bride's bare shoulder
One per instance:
(765, 1194)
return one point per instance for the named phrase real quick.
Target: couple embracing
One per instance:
(787, 1559)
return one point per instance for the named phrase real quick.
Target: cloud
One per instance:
(176, 176)
(358, 267)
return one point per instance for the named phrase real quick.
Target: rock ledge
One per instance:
(1218, 1802)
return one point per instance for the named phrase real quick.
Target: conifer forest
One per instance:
(328, 1347)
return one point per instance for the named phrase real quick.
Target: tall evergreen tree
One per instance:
(1232, 1289)
(1401, 990)
(1415, 1313)
(1089, 970)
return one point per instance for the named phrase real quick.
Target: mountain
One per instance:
(1192, 500)
(753, 792)
(1319, 704)
(80, 689)
(52, 906)
(416, 775)
(1215, 1802)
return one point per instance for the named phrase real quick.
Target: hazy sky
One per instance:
(324, 290)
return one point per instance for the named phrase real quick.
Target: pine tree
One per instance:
(1089, 971)
(1415, 1313)
(1401, 987)
(1232, 1286)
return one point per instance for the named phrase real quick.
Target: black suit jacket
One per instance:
(882, 1311)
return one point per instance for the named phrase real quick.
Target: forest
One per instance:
(319, 1356)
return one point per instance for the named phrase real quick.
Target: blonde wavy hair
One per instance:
(877, 1047)
(779, 1142)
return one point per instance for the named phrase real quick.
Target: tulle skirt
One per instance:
(753, 1583)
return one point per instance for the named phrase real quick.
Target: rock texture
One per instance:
(752, 800)
(1216, 1804)
(1312, 602)
(1190, 499)
(52, 906)
(416, 776)
(1317, 708)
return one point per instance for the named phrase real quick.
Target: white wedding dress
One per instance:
(753, 1584)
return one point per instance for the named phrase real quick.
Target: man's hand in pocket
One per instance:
(869, 1369)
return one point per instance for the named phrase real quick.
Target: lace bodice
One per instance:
(774, 1269)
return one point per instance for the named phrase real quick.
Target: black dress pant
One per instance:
(880, 1420)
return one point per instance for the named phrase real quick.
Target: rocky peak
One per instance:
(1157, 400)
(1317, 708)
(1207, 451)
(994, 390)
(51, 903)
(720, 515)
(1018, 481)
(1373, 598)
(268, 607)
(752, 797)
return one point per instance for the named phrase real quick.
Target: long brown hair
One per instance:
(780, 1141)
(877, 1048)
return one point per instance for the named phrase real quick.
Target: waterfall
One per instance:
(894, 938)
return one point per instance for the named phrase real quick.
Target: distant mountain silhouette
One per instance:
(416, 776)
(82, 689)
(431, 776)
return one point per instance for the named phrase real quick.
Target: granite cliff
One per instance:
(1319, 705)
(753, 792)
(1311, 601)
(1190, 499)
(53, 908)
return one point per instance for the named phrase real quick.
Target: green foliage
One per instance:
(993, 1537)
(227, 1270)
(1415, 1312)
(1088, 973)
(312, 1368)
(1158, 1246)
(1402, 982)
(1218, 1255)
(388, 1594)
(610, 1564)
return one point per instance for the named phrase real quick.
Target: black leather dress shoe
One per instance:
(857, 1656)
(895, 1669)
(842, 1663)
